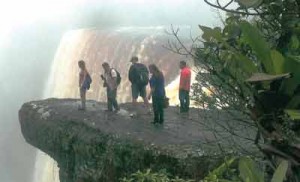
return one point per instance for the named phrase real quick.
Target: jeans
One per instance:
(158, 109)
(184, 98)
(111, 99)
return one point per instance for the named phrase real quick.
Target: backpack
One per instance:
(142, 75)
(118, 76)
(87, 82)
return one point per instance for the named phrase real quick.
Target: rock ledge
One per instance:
(95, 145)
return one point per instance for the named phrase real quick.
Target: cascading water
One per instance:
(45, 169)
(95, 46)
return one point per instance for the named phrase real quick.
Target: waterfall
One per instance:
(115, 46)
(95, 46)
(45, 169)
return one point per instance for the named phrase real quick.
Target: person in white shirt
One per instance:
(110, 82)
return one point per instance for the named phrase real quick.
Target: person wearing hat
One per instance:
(139, 77)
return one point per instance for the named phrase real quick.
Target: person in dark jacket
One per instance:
(138, 76)
(157, 84)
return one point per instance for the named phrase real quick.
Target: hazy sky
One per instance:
(17, 13)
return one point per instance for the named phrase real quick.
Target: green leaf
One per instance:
(232, 31)
(294, 42)
(250, 3)
(278, 62)
(280, 172)
(294, 102)
(210, 34)
(294, 114)
(245, 63)
(249, 171)
(253, 37)
(292, 65)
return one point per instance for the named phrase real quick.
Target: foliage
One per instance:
(224, 173)
(149, 176)
(230, 58)
(248, 171)
(250, 67)
(280, 172)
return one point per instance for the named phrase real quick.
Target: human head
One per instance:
(134, 59)
(153, 69)
(106, 66)
(81, 64)
(182, 64)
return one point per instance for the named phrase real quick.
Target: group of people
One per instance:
(138, 75)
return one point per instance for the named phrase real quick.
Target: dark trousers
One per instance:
(158, 109)
(111, 99)
(184, 98)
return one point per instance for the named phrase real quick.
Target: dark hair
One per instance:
(156, 71)
(183, 63)
(105, 64)
(134, 58)
(81, 64)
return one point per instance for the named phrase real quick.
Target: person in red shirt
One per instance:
(184, 87)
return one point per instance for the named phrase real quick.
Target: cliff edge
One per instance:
(95, 145)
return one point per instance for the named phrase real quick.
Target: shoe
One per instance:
(154, 122)
(107, 110)
(116, 111)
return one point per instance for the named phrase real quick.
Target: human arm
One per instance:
(79, 80)
(131, 74)
(104, 80)
(82, 76)
(152, 83)
(151, 93)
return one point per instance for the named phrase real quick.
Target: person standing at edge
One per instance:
(157, 84)
(184, 87)
(84, 83)
(110, 82)
(139, 77)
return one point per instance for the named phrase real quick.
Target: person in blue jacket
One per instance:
(158, 94)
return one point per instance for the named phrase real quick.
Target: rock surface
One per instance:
(95, 145)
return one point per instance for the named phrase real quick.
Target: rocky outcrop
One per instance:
(95, 145)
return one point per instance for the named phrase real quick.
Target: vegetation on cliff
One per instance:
(251, 65)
